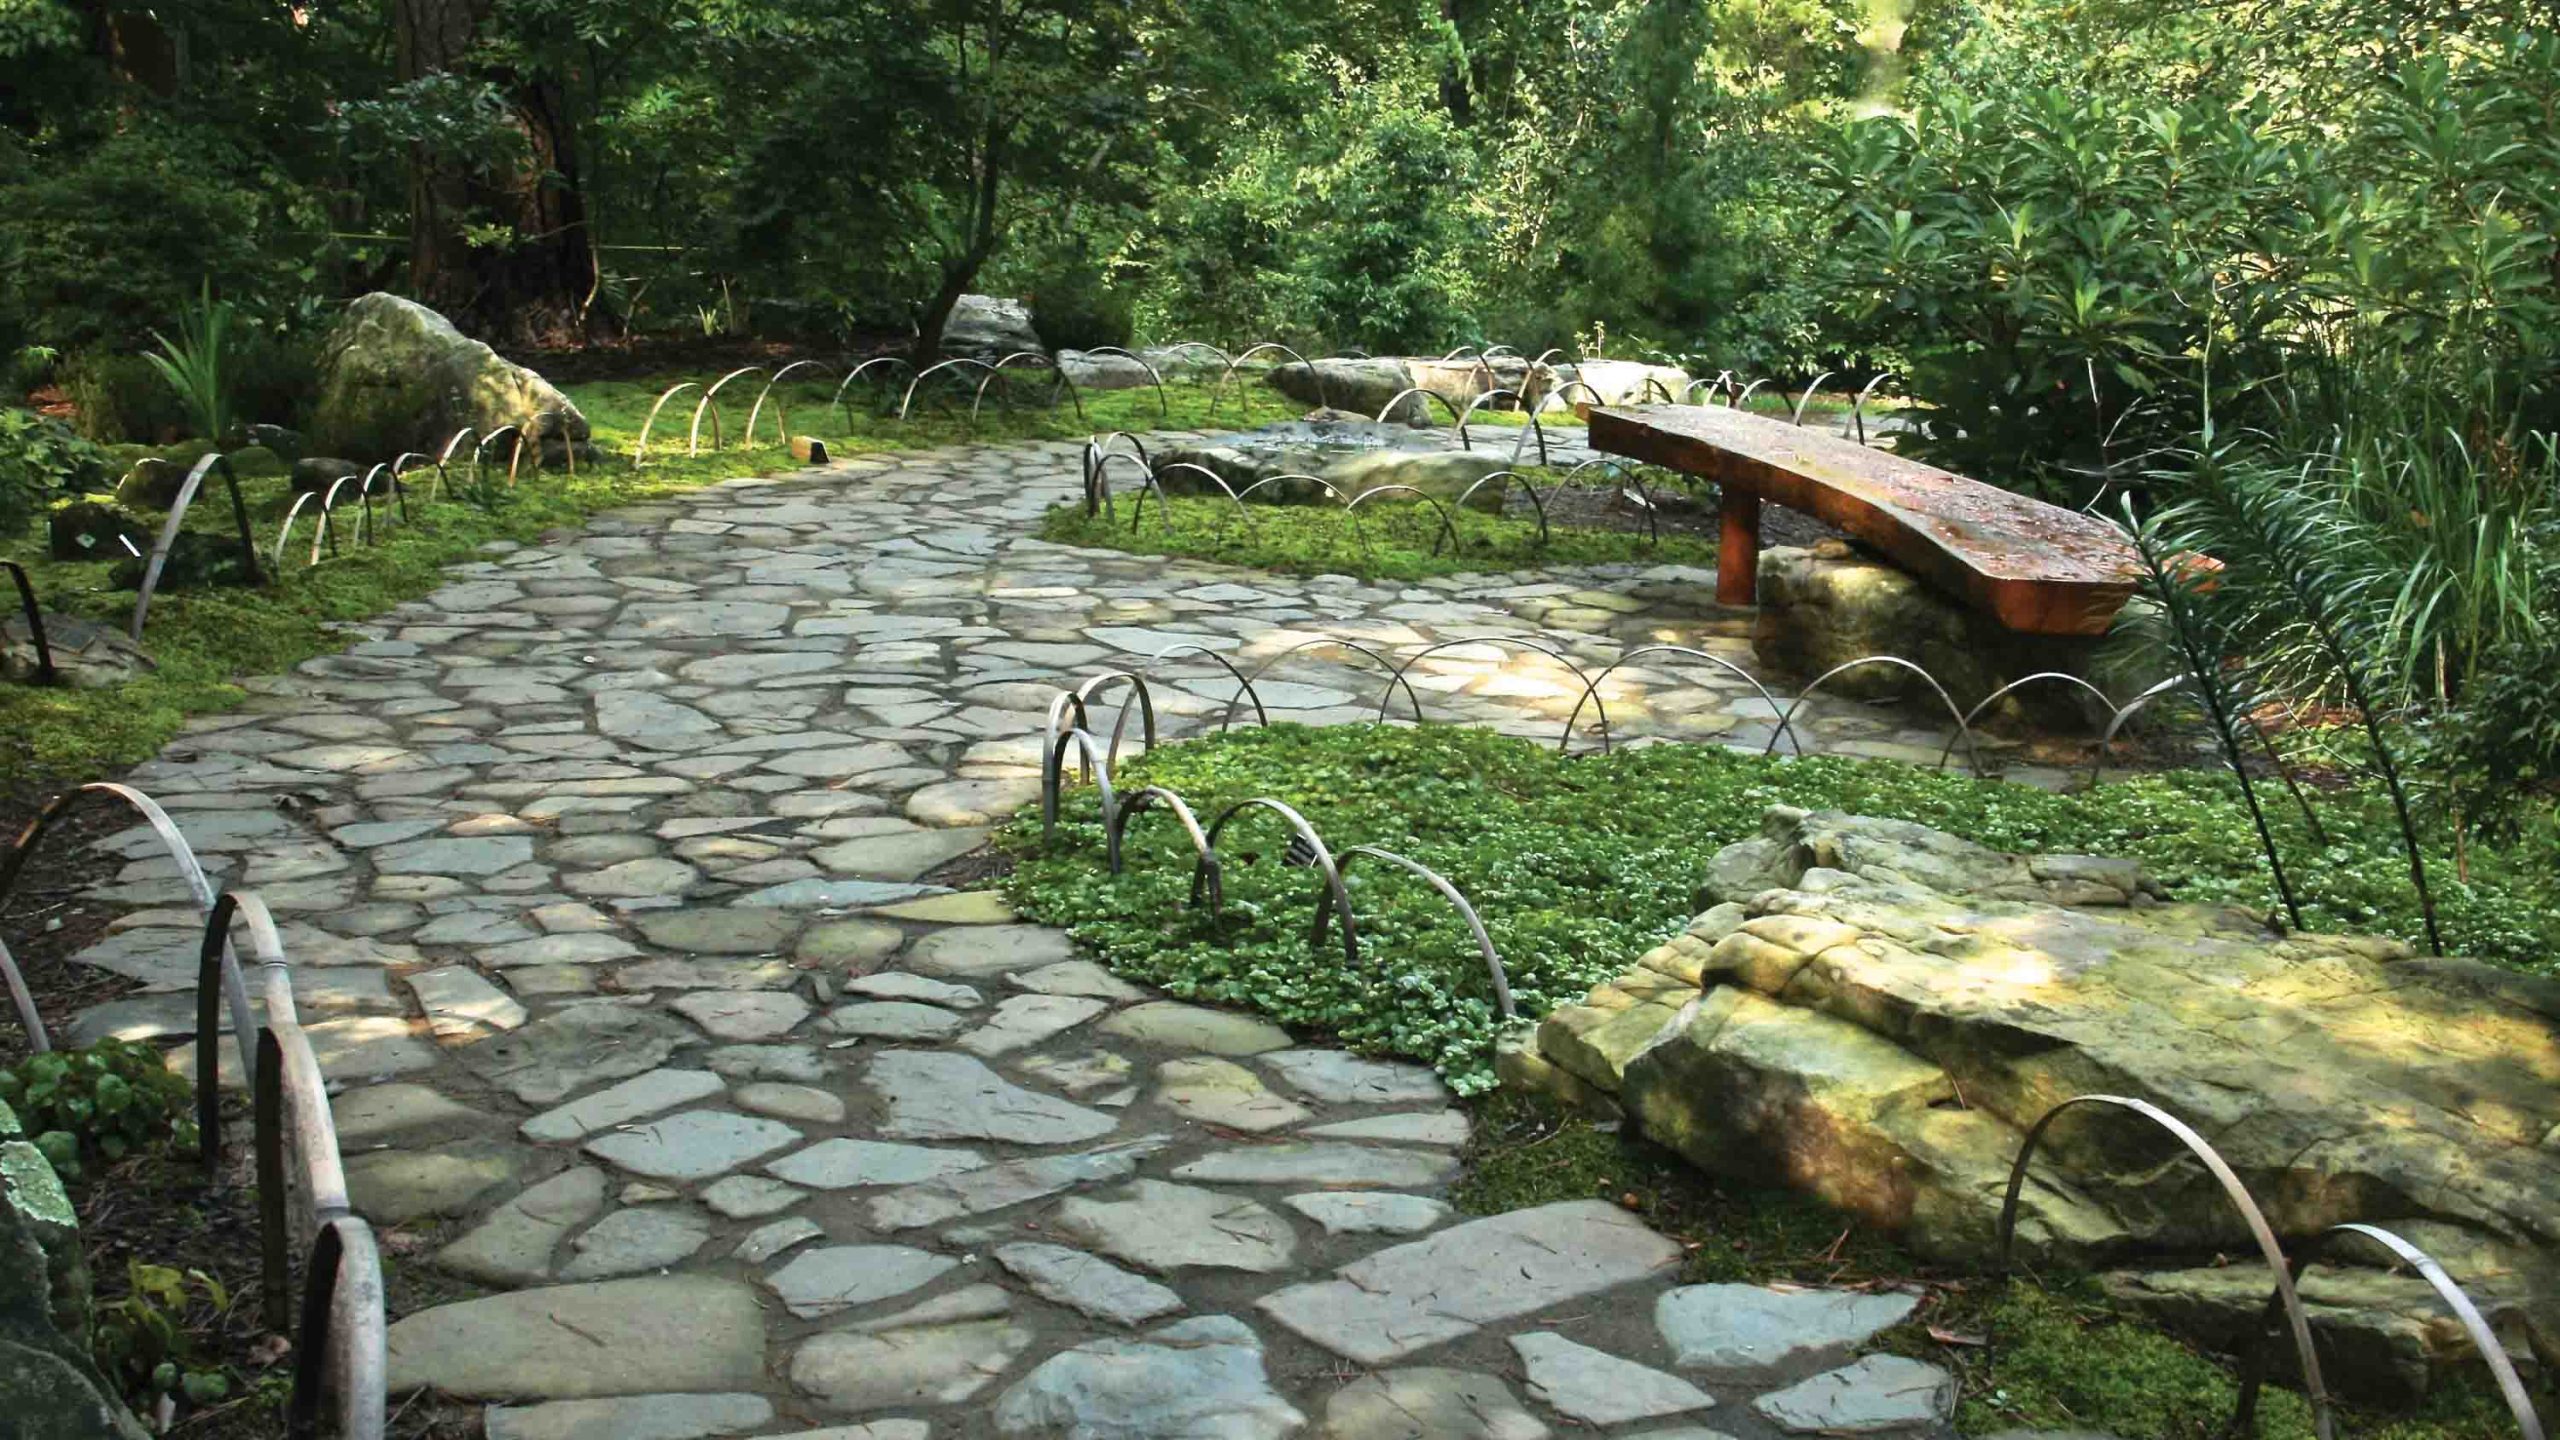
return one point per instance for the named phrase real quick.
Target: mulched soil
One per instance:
(1606, 507)
(50, 917)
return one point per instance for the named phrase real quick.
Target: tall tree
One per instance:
(499, 239)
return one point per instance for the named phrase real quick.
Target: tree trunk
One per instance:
(961, 271)
(535, 288)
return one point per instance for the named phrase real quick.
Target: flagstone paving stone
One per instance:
(629, 842)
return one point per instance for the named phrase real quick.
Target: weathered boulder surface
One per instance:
(1833, 603)
(990, 328)
(395, 376)
(49, 1389)
(1875, 1012)
(1351, 456)
(1367, 386)
(86, 655)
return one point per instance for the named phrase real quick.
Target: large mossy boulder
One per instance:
(1876, 1012)
(1368, 386)
(395, 376)
(49, 1389)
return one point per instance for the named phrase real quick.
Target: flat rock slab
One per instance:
(1088, 1285)
(1414, 1127)
(633, 1099)
(573, 1047)
(513, 1246)
(970, 951)
(1599, 1388)
(1027, 1020)
(1400, 1300)
(1178, 1227)
(1320, 1163)
(899, 985)
(918, 1365)
(743, 1014)
(1424, 1403)
(1366, 1212)
(933, 1095)
(1199, 1379)
(635, 1417)
(839, 1277)
(1878, 1393)
(695, 1145)
(804, 1103)
(1337, 1077)
(1223, 1093)
(394, 1187)
(1075, 977)
(1171, 1025)
(847, 1164)
(895, 1020)
(642, 1238)
(1012, 1183)
(719, 930)
(1743, 1328)
(621, 1337)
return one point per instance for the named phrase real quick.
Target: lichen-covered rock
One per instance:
(1367, 386)
(1349, 456)
(94, 530)
(49, 1390)
(1875, 1012)
(86, 655)
(990, 328)
(395, 376)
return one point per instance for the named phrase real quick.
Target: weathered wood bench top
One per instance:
(2037, 568)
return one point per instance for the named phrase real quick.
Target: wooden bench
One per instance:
(2037, 568)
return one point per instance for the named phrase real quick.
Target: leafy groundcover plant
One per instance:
(1579, 865)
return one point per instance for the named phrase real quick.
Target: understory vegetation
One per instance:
(1578, 865)
(1387, 540)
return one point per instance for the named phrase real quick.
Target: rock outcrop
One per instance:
(395, 376)
(49, 1389)
(988, 327)
(1367, 386)
(1875, 1012)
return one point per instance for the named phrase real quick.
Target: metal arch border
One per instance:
(1398, 398)
(1395, 675)
(928, 372)
(1858, 407)
(2287, 1297)
(1448, 528)
(1744, 394)
(1244, 687)
(710, 401)
(27, 606)
(284, 532)
(515, 451)
(1797, 419)
(1653, 386)
(328, 510)
(543, 427)
(1219, 390)
(1164, 405)
(444, 458)
(159, 560)
(1215, 479)
(1629, 474)
(1164, 507)
(1558, 656)
(1994, 698)
(1320, 854)
(781, 408)
(2483, 1338)
(1053, 780)
(1057, 371)
(1716, 385)
(1466, 910)
(1973, 751)
(1085, 696)
(1117, 827)
(639, 452)
(1591, 694)
(1555, 394)
(1098, 495)
(2115, 723)
(1536, 501)
(836, 401)
(1537, 427)
(1179, 346)
(174, 841)
(29, 1019)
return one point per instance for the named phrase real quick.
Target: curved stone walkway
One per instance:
(697, 1113)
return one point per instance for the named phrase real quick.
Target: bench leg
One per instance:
(1737, 547)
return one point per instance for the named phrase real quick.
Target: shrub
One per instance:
(1076, 307)
(120, 398)
(102, 1103)
(39, 457)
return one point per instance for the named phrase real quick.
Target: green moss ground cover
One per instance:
(206, 640)
(1579, 865)
(1393, 540)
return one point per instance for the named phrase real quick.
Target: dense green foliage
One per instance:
(39, 458)
(1580, 865)
(105, 1102)
(1385, 540)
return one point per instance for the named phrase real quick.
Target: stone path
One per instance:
(602, 868)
